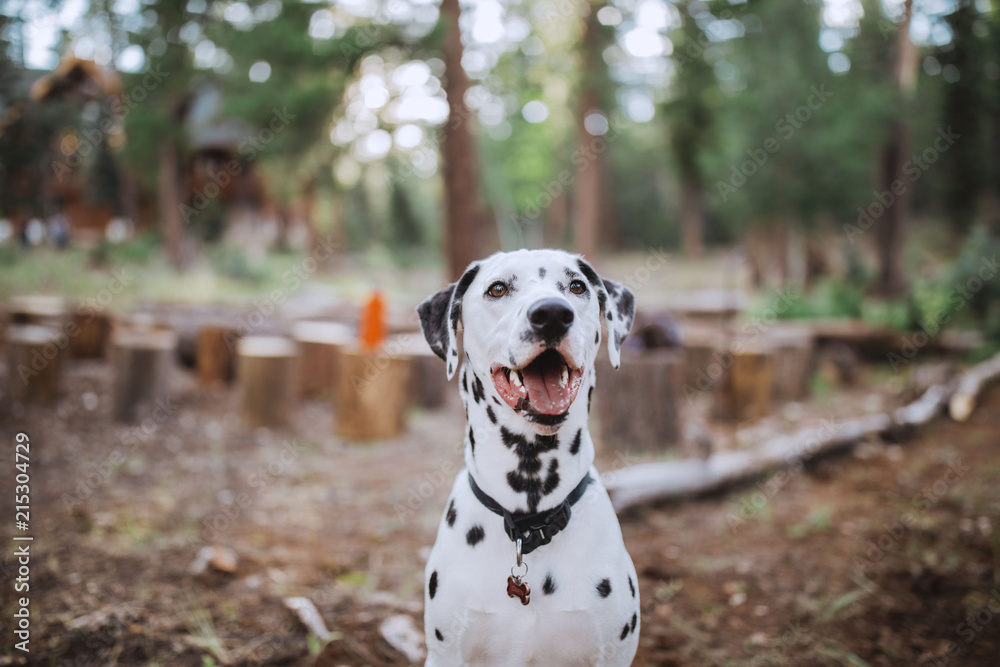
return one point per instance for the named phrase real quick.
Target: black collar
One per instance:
(536, 529)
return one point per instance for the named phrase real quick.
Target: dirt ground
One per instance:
(885, 556)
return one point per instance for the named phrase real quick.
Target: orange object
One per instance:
(372, 330)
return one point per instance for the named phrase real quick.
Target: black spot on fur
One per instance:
(492, 415)
(475, 535)
(460, 289)
(432, 584)
(478, 392)
(590, 395)
(634, 620)
(549, 587)
(472, 441)
(588, 272)
(561, 287)
(451, 514)
(597, 338)
(454, 352)
(541, 272)
(437, 633)
(575, 447)
(449, 368)
(465, 382)
(603, 588)
(631, 586)
(624, 633)
(495, 400)
(525, 479)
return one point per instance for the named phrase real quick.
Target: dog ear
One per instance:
(619, 313)
(617, 309)
(439, 316)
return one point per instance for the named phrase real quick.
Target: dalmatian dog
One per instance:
(529, 566)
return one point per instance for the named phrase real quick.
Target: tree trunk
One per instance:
(588, 190)
(638, 405)
(692, 217)
(464, 217)
(890, 227)
(169, 201)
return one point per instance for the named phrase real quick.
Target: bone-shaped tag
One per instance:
(517, 589)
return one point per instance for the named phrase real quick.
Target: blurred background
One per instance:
(216, 219)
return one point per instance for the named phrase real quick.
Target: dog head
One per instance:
(532, 321)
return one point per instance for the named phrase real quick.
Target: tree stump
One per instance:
(45, 311)
(143, 362)
(428, 379)
(34, 360)
(89, 333)
(267, 377)
(793, 362)
(705, 357)
(748, 388)
(216, 355)
(320, 346)
(373, 393)
(638, 405)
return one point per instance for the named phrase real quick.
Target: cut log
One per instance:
(793, 361)
(143, 361)
(267, 376)
(748, 388)
(428, 380)
(34, 361)
(373, 393)
(705, 357)
(45, 311)
(320, 345)
(89, 334)
(216, 355)
(970, 385)
(637, 405)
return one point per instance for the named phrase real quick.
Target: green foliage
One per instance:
(830, 298)
(234, 263)
(141, 250)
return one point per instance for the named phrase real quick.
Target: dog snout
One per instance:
(550, 319)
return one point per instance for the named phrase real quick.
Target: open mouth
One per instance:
(546, 385)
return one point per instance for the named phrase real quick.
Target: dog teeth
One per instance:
(515, 381)
(564, 376)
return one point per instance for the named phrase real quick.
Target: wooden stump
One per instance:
(267, 378)
(216, 355)
(320, 346)
(34, 360)
(637, 405)
(428, 379)
(793, 362)
(748, 388)
(373, 393)
(46, 311)
(705, 350)
(143, 362)
(89, 335)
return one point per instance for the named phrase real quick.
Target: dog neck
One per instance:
(526, 467)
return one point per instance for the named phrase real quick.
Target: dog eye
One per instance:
(577, 287)
(497, 290)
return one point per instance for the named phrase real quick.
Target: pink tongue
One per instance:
(545, 392)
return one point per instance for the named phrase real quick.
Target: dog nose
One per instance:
(550, 318)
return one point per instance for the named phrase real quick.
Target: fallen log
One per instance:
(653, 482)
(970, 385)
